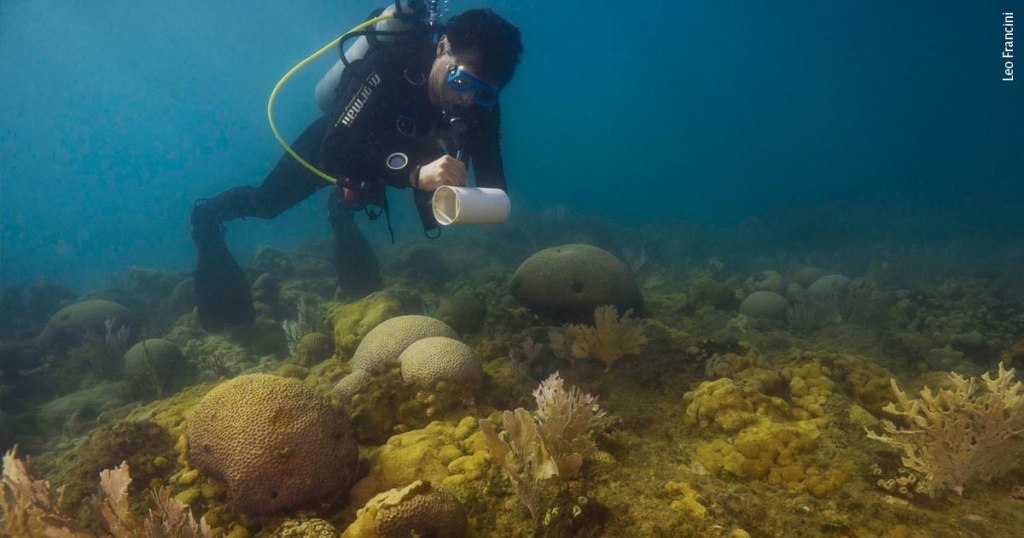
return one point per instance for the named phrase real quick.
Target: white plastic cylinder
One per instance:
(325, 89)
(470, 205)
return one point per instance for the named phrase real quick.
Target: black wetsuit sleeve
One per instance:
(485, 151)
(363, 113)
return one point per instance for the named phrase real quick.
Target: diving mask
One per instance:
(462, 81)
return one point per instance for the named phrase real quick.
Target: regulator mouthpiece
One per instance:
(469, 205)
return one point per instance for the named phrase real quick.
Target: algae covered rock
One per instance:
(387, 341)
(438, 358)
(277, 443)
(72, 322)
(568, 282)
(156, 366)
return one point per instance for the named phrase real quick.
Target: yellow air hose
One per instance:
(300, 65)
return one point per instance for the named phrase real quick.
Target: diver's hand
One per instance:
(444, 171)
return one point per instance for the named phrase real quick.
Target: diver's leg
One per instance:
(357, 267)
(223, 294)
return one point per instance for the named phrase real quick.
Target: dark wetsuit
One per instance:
(382, 108)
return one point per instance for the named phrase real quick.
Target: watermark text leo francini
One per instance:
(1008, 46)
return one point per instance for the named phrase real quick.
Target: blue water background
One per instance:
(815, 123)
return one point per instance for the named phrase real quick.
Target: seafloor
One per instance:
(721, 424)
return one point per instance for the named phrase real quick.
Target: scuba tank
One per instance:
(414, 18)
(405, 17)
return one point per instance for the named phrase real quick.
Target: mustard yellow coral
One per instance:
(440, 453)
(352, 322)
(686, 499)
(728, 406)
(772, 439)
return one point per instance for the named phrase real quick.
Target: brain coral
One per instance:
(765, 281)
(276, 443)
(155, 365)
(350, 385)
(439, 358)
(389, 339)
(72, 322)
(765, 304)
(828, 285)
(418, 509)
(570, 281)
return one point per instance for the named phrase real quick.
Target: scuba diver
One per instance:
(418, 106)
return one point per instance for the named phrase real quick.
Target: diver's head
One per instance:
(476, 57)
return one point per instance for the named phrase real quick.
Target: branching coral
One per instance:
(30, 508)
(610, 339)
(955, 434)
(548, 446)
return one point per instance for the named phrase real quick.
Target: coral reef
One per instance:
(953, 435)
(725, 425)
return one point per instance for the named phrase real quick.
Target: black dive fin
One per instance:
(223, 294)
